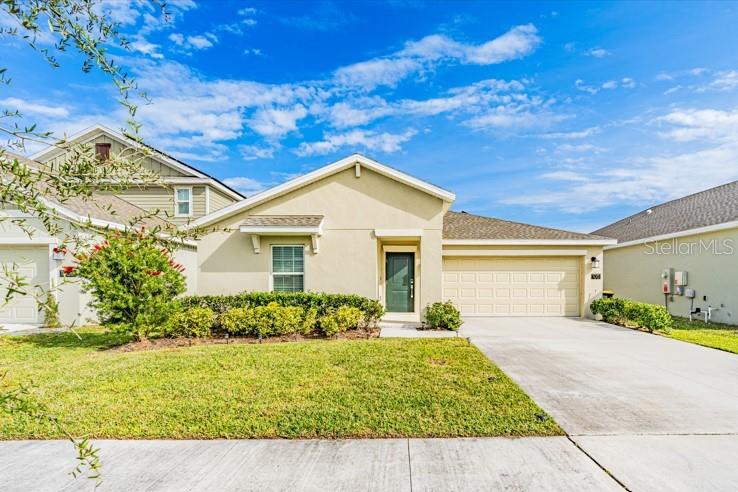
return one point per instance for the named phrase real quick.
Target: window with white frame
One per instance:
(288, 268)
(183, 202)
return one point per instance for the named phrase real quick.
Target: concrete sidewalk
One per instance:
(534, 463)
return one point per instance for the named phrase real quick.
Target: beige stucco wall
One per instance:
(348, 258)
(635, 272)
(589, 288)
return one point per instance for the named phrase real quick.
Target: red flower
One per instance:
(68, 269)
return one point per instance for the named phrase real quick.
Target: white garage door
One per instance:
(525, 286)
(31, 263)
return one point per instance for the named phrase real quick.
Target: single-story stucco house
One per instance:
(358, 226)
(354, 226)
(690, 244)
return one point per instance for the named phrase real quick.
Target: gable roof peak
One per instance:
(323, 172)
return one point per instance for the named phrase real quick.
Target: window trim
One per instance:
(177, 201)
(271, 264)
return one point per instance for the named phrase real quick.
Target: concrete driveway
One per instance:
(658, 414)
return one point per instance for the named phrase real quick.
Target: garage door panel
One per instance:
(32, 264)
(525, 286)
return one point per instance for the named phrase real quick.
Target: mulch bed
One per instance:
(163, 343)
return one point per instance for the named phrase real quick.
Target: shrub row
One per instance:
(323, 303)
(624, 311)
(262, 321)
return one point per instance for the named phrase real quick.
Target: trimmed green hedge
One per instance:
(624, 311)
(443, 315)
(323, 303)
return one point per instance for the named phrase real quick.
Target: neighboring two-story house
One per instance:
(185, 194)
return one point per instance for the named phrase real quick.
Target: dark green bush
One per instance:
(652, 317)
(443, 315)
(323, 303)
(341, 319)
(192, 322)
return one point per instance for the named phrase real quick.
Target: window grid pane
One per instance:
(183, 208)
(288, 268)
(287, 259)
(183, 195)
(288, 283)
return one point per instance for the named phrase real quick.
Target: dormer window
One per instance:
(102, 151)
(183, 202)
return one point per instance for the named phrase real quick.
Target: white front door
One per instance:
(525, 286)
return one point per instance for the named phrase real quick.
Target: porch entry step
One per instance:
(409, 329)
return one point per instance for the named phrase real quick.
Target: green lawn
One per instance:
(331, 389)
(715, 335)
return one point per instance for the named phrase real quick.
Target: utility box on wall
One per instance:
(680, 278)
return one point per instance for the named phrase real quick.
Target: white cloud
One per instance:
(357, 139)
(252, 51)
(722, 82)
(195, 42)
(700, 124)
(673, 90)
(276, 123)
(610, 84)
(244, 184)
(627, 82)
(587, 132)
(646, 181)
(25, 107)
(485, 104)
(253, 152)
(582, 86)
(145, 47)
(597, 52)
(580, 148)
(425, 54)
(201, 42)
(246, 11)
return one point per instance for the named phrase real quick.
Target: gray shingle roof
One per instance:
(710, 207)
(283, 220)
(111, 208)
(462, 225)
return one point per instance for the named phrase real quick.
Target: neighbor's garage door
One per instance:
(32, 263)
(525, 286)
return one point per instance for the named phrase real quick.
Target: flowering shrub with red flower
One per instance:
(133, 281)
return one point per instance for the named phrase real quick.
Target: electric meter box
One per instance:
(667, 281)
(689, 293)
(680, 278)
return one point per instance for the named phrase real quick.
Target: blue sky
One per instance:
(569, 115)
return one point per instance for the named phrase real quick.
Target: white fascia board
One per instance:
(317, 175)
(398, 232)
(528, 242)
(41, 241)
(515, 252)
(689, 232)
